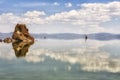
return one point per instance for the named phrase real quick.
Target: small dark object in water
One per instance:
(86, 37)
(0, 40)
(44, 37)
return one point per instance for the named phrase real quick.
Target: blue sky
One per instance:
(61, 16)
(20, 6)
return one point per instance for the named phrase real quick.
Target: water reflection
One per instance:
(90, 56)
(91, 59)
(21, 48)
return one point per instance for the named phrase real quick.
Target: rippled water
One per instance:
(62, 60)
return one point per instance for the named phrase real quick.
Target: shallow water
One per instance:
(62, 60)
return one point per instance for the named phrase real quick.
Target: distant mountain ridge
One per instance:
(69, 36)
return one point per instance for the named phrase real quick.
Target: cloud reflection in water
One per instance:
(90, 57)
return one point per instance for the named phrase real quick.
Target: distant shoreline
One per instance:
(70, 36)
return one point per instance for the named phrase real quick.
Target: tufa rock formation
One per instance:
(21, 34)
(21, 40)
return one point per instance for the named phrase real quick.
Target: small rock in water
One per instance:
(7, 40)
(0, 40)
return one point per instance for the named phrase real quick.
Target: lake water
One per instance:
(62, 60)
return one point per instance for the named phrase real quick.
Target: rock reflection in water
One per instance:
(21, 40)
(21, 48)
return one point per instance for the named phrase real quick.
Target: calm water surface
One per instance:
(62, 60)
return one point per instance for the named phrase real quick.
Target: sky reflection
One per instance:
(90, 56)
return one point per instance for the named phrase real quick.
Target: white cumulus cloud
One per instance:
(35, 4)
(56, 4)
(88, 18)
(68, 4)
(34, 13)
